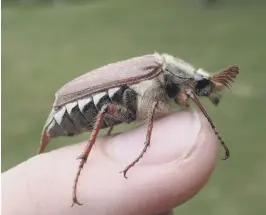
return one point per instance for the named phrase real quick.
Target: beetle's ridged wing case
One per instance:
(130, 71)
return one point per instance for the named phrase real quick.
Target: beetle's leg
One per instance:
(197, 102)
(113, 111)
(44, 142)
(129, 101)
(86, 153)
(181, 99)
(148, 138)
(109, 131)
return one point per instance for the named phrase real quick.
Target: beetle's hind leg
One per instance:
(151, 116)
(113, 111)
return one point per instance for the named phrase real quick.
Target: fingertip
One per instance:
(179, 162)
(173, 138)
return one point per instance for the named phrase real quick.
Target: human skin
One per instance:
(178, 163)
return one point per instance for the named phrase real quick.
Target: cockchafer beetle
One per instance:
(139, 88)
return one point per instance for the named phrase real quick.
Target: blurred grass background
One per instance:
(46, 45)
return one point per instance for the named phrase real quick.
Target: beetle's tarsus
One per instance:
(227, 153)
(197, 102)
(124, 173)
(225, 157)
(148, 139)
(136, 160)
(76, 202)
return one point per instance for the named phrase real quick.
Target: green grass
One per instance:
(44, 47)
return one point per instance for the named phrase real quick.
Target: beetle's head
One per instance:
(182, 73)
(206, 85)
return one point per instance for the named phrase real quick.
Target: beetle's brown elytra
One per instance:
(139, 88)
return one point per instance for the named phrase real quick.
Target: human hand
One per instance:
(179, 161)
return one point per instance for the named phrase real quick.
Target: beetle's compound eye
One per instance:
(203, 87)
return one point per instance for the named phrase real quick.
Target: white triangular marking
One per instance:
(83, 102)
(58, 116)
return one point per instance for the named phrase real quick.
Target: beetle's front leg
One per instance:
(197, 102)
(151, 116)
(112, 111)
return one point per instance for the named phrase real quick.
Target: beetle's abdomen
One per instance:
(78, 117)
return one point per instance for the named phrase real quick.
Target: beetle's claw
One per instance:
(124, 173)
(75, 201)
(227, 155)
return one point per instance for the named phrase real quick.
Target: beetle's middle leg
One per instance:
(129, 100)
(113, 111)
(151, 116)
(109, 131)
